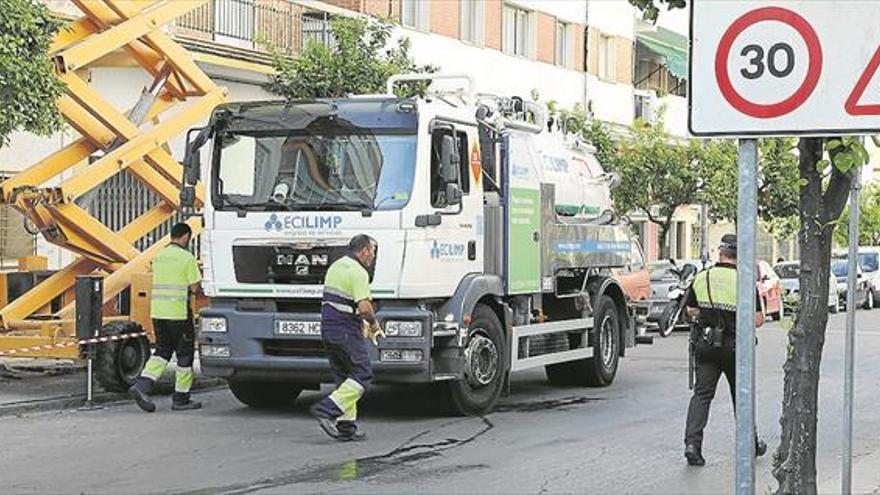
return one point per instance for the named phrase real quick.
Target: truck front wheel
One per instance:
(484, 364)
(599, 370)
(264, 394)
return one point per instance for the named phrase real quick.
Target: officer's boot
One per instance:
(140, 392)
(181, 401)
(694, 455)
(760, 447)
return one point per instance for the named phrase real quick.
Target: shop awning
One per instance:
(669, 45)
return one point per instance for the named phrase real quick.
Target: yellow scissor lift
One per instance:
(180, 97)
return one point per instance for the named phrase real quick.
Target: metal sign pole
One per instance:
(746, 227)
(849, 356)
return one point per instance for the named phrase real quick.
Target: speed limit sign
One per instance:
(783, 68)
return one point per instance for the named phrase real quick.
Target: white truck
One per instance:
(497, 242)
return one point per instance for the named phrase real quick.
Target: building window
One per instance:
(472, 21)
(414, 13)
(234, 22)
(518, 31)
(564, 42)
(606, 57)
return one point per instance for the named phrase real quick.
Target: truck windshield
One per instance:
(336, 169)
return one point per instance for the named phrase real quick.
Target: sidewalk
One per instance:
(865, 476)
(48, 384)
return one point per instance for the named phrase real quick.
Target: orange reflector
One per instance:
(467, 320)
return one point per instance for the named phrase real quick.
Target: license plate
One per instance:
(287, 327)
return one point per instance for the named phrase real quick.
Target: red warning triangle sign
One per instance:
(852, 105)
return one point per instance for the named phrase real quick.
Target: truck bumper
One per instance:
(256, 352)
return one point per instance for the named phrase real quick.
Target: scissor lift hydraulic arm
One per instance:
(135, 140)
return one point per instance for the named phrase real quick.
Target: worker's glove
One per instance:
(373, 332)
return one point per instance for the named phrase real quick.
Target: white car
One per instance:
(789, 275)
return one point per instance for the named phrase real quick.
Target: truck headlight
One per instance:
(403, 329)
(213, 324)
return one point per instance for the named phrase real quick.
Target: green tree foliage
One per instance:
(869, 219)
(28, 86)
(359, 62)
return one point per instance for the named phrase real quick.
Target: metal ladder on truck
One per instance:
(40, 323)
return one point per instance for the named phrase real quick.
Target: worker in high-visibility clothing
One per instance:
(175, 276)
(346, 307)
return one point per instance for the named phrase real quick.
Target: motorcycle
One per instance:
(673, 315)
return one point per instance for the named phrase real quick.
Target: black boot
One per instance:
(180, 401)
(760, 448)
(348, 432)
(139, 391)
(694, 455)
(325, 422)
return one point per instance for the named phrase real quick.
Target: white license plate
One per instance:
(286, 327)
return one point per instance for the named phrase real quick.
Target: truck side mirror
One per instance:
(192, 164)
(453, 194)
(188, 196)
(449, 161)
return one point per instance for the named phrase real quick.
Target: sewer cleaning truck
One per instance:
(499, 247)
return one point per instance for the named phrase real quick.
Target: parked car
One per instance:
(789, 274)
(770, 289)
(869, 263)
(840, 267)
(635, 280)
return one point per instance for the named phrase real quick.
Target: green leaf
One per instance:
(833, 144)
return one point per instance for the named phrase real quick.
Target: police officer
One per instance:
(175, 276)
(712, 301)
(346, 306)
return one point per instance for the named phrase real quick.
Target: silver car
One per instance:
(789, 275)
(864, 295)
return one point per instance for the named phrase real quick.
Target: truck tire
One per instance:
(119, 362)
(599, 370)
(669, 319)
(264, 395)
(485, 367)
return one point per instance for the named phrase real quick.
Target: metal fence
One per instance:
(261, 25)
(121, 199)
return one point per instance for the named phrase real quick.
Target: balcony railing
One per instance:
(257, 24)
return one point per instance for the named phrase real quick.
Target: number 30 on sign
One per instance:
(784, 68)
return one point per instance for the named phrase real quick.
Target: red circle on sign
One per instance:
(814, 70)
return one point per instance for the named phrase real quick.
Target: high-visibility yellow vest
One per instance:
(174, 270)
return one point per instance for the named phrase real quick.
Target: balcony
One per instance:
(661, 62)
(254, 26)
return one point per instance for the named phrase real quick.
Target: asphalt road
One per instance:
(626, 438)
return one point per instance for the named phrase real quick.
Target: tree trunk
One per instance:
(663, 240)
(794, 465)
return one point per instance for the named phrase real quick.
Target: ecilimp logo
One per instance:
(441, 250)
(299, 222)
(273, 224)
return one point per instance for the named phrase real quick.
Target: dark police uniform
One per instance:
(714, 293)
(347, 283)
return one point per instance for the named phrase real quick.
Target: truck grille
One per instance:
(294, 348)
(282, 264)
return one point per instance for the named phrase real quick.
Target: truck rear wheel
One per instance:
(485, 366)
(599, 370)
(119, 362)
(264, 394)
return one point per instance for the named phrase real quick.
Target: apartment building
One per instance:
(595, 53)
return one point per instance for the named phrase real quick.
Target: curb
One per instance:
(74, 401)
